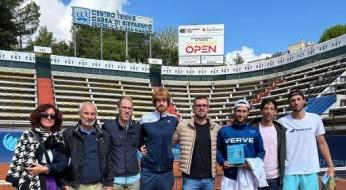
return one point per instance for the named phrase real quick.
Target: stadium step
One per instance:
(45, 91)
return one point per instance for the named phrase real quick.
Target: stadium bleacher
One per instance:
(73, 88)
(17, 96)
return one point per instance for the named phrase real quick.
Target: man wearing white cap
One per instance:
(245, 138)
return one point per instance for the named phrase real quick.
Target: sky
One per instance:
(254, 29)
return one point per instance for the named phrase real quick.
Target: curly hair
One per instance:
(35, 117)
(161, 94)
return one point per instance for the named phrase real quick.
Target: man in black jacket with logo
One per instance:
(126, 135)
(89, 149)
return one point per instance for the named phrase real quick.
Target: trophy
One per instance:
(235, 154)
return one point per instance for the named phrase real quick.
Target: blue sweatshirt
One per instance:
(157, 131)
(238, 134)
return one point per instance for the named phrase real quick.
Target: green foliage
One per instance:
(238, 59)
(164, 45)
(88, 43)
(19, 18)
(61, 48)
(44, 38)
(26, 19)
(7, 27)
(333, 32)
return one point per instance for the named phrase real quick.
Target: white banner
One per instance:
(212, 60)
(99, 64)
(201, 40)
(189, 60)
(17, 56)
(41, 49)
(155, 61)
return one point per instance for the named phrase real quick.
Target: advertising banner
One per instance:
(8, 144)
(112, 20)
(203, 41)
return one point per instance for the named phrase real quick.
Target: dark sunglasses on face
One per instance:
(45, 115)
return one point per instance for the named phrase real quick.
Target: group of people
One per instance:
(278, 155)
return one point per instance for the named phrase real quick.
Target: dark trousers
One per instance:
(274, 184)
(156, 181)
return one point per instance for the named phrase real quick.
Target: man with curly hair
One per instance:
(156, 134)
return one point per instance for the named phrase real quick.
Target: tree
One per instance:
(61, 48)
(87, 42)
(7, 27)
(26, 19)
(166, 45)
(44, 38)
(238, 59)
(333, 32)
(138, 47)
(19, 18)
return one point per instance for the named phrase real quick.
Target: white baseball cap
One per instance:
(241, 102)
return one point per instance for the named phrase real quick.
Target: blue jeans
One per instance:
(198, 184)
(156, 181)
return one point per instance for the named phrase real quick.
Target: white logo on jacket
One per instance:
(239, 140)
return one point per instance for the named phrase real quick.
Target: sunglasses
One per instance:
(45, 115)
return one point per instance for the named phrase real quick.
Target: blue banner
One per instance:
(336, 145)
(112, 20)
(8, 139)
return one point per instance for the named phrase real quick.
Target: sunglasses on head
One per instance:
(46, 115)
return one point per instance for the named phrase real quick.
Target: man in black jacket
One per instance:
(274, 140)
(89, 149)
(126, 135)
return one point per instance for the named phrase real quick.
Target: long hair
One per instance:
(35, 117)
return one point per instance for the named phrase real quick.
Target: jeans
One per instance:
(198, 184)
(156, 181)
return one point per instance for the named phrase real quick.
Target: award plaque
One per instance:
(235, 154)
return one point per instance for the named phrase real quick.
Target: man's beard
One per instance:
(297, 109)
(161, 109)
(89, 124)
(201, 116)
(240, 122)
